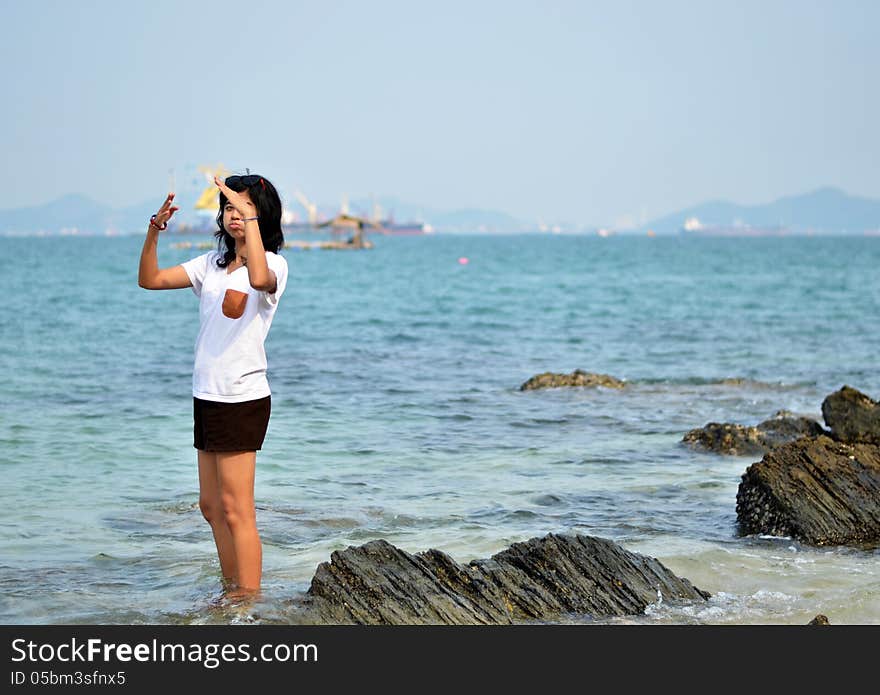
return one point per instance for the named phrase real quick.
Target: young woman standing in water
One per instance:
(238, 287)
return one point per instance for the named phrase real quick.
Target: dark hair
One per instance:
(268, 204)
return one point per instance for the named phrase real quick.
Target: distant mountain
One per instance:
(68, 212)
(86, 216)
(76, 212)
(477, 220)
(823, 211)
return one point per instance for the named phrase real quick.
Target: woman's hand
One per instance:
(165, 212)
(236, 200)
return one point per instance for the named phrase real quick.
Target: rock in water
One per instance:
(540, 579)
(852, 416)
(816, 490)
(743, 440)
(550, 380)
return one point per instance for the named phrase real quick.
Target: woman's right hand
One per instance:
(165, 213)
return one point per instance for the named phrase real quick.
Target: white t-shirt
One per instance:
(230, 358)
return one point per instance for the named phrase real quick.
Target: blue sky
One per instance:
(586, 112)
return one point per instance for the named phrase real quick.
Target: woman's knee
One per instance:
(211, 509)
(236, 512)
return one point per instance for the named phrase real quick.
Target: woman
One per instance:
(238, 287)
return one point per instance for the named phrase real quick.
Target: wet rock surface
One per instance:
(852, 416)
(817, 490)
(744, 440)
(536, 580)
(578, 377)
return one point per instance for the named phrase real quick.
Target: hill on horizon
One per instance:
(825, 210)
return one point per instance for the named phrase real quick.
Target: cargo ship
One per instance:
(374, 223)
(380, 224)
(400, 228)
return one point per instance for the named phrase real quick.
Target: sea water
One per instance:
(397, 414)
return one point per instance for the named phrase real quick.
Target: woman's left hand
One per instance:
(236, 200)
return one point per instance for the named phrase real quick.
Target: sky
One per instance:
(606, 113)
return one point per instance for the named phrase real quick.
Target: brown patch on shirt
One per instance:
(234, 303)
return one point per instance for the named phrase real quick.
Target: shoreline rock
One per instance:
(742, 440)
(816, 490)
(852, 416)
(536, 580)
(551, 380)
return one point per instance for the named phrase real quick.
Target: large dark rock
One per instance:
(537, 580)
(816, 490)
(578, 377)
(852, 416)
(744, 440)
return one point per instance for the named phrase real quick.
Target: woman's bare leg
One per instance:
(235, 471)
(212, 509)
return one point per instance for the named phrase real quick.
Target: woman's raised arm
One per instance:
(150, 276)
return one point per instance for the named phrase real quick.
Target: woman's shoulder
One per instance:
(209, 258)
(276, 259)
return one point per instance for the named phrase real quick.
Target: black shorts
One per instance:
(230, 426)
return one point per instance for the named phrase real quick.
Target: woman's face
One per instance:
(232, 218)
